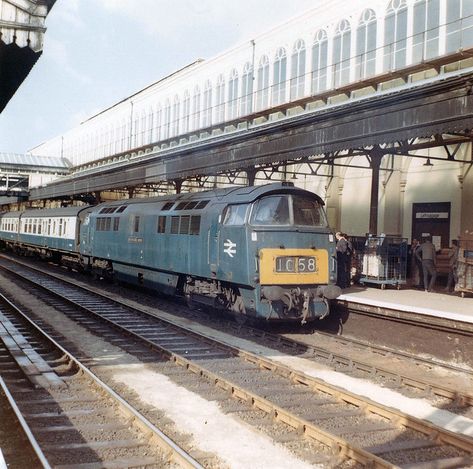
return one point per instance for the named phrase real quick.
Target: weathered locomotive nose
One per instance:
(329, 291)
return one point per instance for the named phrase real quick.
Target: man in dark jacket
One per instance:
(343, 259)
(426, 254)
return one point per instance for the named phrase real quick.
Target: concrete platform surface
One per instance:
(439, 304)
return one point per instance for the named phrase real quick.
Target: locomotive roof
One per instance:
(234, 194)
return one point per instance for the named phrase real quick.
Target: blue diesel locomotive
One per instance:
(265, 252)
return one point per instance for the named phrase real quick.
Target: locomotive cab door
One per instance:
(233, 244)
(213, 234)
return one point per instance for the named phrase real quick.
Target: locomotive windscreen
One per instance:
(288, 210)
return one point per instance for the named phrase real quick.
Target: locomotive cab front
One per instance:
(289, 259)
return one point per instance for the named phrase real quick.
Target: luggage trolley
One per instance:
(464, 280)
(384, 261)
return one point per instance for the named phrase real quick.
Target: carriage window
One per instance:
(273, 210)
(116, 223)
(161, 224)
(235, 214)
(307, 212)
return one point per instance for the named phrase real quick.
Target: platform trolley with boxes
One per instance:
(464, 270)
(384, 261)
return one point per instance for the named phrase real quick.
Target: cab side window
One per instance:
(235, 214)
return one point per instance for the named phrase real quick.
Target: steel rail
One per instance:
(178, 455)
(352, 363)
(366, 405)
(24, 425)
(376, 370)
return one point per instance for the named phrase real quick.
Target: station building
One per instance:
(336, 54)
(22, 29)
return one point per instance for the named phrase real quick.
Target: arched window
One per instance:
(196, 109)
(366, 45)
(220, 99)
(123, 135)
(233, 95)
(341, 54)
(141, 140)
(136, 131)
(247, 90)
(262, 88)
(158, 121)
(395, 35)
(186, 112)
(278, 95)
(298, 70)
(459, 25)
(319, 62)
(207, 117)
(425, 39)
(149, 129)
(96, 141)
(176, 115)
(166, 120)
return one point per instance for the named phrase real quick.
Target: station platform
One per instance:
(438, 304)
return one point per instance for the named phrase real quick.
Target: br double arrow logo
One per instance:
(230, 247)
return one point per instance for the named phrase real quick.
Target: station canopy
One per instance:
(21, 41)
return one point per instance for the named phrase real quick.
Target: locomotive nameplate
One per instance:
(293, 266)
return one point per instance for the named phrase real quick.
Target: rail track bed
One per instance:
(319, 422)
(71, 419)
(447, 339)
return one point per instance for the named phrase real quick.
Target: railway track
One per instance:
(70, 417)
(344, 427)
(447, 339)
(16, 440)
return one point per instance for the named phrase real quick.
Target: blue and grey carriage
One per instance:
(50, 233)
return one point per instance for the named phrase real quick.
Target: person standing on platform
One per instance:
(426, 254)
(416, 266)
(452, 266)
(342, 260)
(350, 253)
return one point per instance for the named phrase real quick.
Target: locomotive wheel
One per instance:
(191, 304)
(239, 308)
